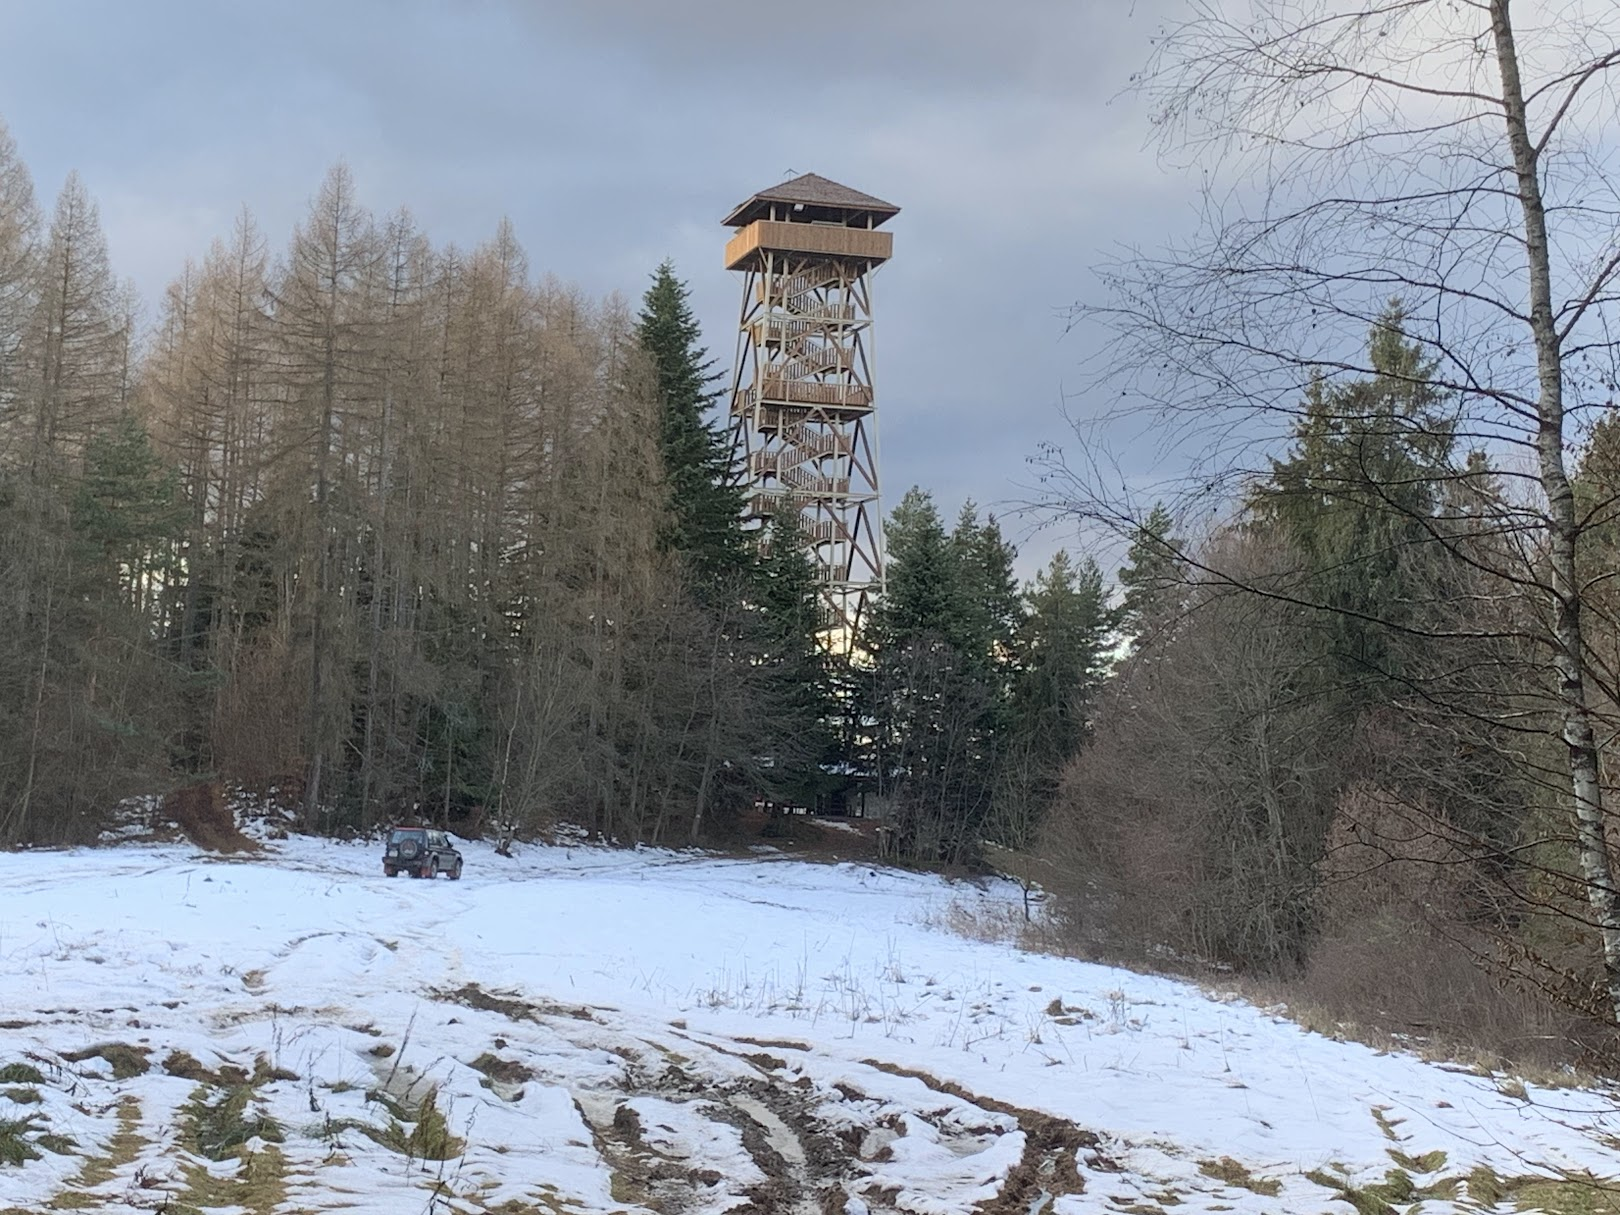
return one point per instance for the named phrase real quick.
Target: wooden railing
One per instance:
(811, 392)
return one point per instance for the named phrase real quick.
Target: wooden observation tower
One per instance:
(803, 429)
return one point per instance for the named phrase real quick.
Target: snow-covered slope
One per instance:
(584, 1030)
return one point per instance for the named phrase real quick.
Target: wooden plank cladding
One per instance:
(858, 244)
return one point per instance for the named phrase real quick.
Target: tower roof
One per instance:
(817, 193)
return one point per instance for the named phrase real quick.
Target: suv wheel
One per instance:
(455, 874)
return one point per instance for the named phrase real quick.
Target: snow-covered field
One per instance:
(582, 1030)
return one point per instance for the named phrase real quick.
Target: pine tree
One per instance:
(705, 503)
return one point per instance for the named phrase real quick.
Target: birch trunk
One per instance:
(1569, 650)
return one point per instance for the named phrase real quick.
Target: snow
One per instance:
(684, 1032)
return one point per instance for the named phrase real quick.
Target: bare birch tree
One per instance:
(1434, 150)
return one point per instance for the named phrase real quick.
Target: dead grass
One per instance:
(1231, 1172)
(421, 1132)
(20, 1073)
(122, 1150)
(474, 996)
(258, 1186)
(126, 1061)
(1550, 1065)
(227, 1075)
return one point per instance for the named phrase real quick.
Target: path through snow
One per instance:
(589, 1031)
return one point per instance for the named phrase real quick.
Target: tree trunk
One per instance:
(1569, 652)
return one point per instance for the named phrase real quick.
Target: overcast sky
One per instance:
(617, 132)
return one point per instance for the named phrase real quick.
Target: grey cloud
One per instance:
(617, 132)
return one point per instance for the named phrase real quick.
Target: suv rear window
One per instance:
(406, 834)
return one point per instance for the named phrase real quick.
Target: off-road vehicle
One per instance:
(422, 852)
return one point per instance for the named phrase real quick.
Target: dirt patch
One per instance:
(505, 1071)
(510, 1007)
(201, 812)
(774, 1043)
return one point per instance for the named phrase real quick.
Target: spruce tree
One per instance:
(127, 511)
(1063, 654)
(921, 594)
(705, 502)
(988, 611)
(787, 603)
(1153, 571)
(1358, 491)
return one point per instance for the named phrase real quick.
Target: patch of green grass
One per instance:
(14, 1146)
(57, 1145)
(1382, 1197)
(24, 1096)
(1429, 1162)
(20, 1073)
(428, 1136)
(1231, 1172)
(1385, 1122)
(1573, 1194)
(1569, 1194)
(219, 1129)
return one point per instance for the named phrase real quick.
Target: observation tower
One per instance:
(804, 430)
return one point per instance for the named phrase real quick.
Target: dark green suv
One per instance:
(422, 852)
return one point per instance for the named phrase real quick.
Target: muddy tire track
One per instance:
(663, 1117)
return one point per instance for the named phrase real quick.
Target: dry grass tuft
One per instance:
(126, 1061)
(1231, 1172)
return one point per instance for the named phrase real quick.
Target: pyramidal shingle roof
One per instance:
(813, 190)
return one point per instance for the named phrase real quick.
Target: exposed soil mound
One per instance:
(201, 812)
